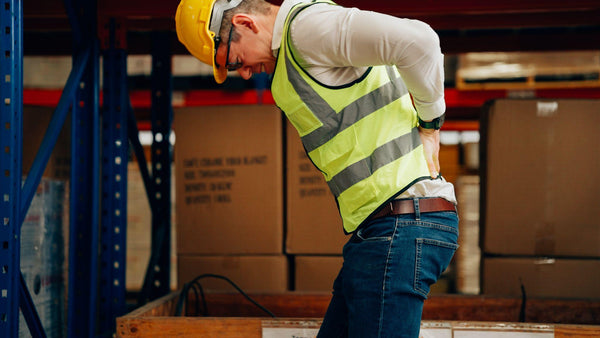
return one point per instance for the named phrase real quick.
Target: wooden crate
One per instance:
(233, 316)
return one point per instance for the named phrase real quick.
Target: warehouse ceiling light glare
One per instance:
(198, 23)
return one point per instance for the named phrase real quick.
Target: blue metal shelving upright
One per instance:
(157, 279)
(115, 151)
(11, 141)
(85, 172)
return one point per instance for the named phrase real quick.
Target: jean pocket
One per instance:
(432, 258)
(378, 230)
(368, 238)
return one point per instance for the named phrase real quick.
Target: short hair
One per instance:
(246, 6)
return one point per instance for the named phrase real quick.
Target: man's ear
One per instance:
(244, 20)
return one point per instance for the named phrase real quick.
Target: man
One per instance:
(365, 93)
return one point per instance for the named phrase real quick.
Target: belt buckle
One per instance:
(390, 207)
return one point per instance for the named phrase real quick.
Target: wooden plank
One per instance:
(485, 308)
(473, 327)
(564, 331)
(161, 307)
(563, 311)
(188, 327)
(529, 82)
(471, 308)
(282, 305)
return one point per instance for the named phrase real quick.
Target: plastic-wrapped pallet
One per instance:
(43, 257)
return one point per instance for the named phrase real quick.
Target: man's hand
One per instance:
(431, 146)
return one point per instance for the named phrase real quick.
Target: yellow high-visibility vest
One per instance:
(362, 136)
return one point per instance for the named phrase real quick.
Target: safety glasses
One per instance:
(229, 66)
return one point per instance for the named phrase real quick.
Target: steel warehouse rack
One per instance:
(100, 135)
(103, 125)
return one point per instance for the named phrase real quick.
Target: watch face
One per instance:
(440, 121)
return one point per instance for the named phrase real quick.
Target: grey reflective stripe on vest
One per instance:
(334, 123)
(383, 155)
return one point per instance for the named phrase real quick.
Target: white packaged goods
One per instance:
(43, 257)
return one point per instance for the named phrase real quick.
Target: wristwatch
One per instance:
(433, 124)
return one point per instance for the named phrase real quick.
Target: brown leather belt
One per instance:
(407, 206)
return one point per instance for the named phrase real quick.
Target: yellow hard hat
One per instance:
(198, 23)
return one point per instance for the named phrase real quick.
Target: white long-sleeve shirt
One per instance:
(336, 45)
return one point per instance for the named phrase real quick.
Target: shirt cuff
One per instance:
(431, 110)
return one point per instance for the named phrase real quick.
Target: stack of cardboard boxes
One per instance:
(539, 193)
(231, 217)
(229, 197)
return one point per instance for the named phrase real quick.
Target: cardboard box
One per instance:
(314, 225)
(542, 277)
(540, 183)
(229, 180)
(35, 123)
(450, 166)
(250, 273)
(316, 273)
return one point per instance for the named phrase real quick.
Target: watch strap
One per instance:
(433, 124)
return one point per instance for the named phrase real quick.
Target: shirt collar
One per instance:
(282, 14)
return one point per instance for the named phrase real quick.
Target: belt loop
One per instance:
(417, 211)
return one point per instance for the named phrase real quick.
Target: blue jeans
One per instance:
(389, 265)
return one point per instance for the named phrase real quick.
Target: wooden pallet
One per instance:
(528, 70)
(233, 316)
(591, 80)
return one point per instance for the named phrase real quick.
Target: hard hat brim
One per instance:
(220, 73)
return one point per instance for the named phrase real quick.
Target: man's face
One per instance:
(250, 54)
